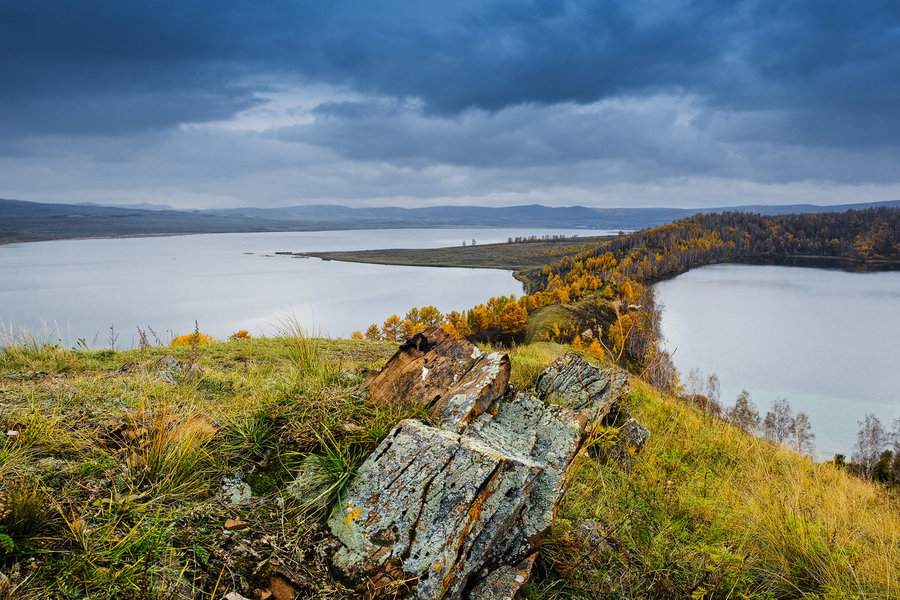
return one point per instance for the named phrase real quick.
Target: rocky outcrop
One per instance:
(572, 381)
(460, 509)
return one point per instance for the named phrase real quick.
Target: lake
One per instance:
(61, 291)
(824, 340)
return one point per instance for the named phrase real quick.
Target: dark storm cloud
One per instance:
(516, 90)
(838, 55)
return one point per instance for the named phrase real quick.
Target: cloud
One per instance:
(364, 102)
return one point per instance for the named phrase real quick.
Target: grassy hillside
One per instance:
(35, 221)
(132, 476)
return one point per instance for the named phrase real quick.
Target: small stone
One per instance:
(169, 363)
(164, 377)
(634, 435)
(194, 371)
(592, 534)
(235, 596)
(12, 434)
(631, 439)
(235, 524)
(235, 490)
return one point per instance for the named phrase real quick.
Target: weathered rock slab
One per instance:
(453, 378)
(434, 501)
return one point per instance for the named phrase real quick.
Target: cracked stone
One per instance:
(453, 378)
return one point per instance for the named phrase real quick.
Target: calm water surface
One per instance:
(825, 340)
(65, 290)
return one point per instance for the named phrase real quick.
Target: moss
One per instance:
(262, 484)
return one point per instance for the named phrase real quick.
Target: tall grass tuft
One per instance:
(23, 351)
(306, 353)
(112, 558)
(326, 476)
(169, 456)
(27, 509)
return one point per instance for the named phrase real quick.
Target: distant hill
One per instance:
(32, 221)
(138, 205)
(534, 215)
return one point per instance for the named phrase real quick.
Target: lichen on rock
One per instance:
(572, 381)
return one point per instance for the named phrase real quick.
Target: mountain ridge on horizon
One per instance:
(22, 220)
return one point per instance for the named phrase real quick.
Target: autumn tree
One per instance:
(513, 318)
(693, 383)
(429, 315)
(373, 333)
(392, 329)
(777, 422)
(412, 315)
(713, 389)
(744, 413)
(662, 373)
(457, 325)
(871, 440)
(410, 328)
(801, 434)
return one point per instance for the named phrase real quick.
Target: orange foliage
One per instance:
(192, 339)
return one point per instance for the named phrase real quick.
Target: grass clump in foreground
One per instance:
(133, 476)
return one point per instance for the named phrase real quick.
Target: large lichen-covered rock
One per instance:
(453, 378)
(459, 510)
(548, 435)
(572, 381)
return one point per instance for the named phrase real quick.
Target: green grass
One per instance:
(114, 484)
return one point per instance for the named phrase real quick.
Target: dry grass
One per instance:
(708, 511)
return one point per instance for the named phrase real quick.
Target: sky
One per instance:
(220, 104)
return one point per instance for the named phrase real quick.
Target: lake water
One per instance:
(824, 340)
(65, 290)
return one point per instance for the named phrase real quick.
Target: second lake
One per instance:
(824, 340)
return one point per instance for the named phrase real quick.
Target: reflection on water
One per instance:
(80, 288)
(825, 340)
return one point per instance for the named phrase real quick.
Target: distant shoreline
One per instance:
(113, 236)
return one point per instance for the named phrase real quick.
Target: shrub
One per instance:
(192, 339)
